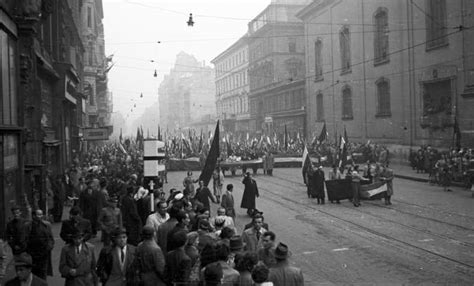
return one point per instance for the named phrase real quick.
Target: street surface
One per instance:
(425, 237)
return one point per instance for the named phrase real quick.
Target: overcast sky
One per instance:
(134, 27)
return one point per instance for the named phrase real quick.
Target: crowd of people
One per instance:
(444, 167)
(148, 237)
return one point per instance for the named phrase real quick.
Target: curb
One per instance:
(423, 180)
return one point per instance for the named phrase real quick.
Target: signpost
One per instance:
(93, 134)
(153, 163)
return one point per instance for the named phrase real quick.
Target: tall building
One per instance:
(277, 69)
(232, 87)
(395, 72)
(186, 95)
(41, 54)
(96, 66)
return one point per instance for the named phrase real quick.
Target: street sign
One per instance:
(93, 134)
(153, 157)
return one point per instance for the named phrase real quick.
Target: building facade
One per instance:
(232, 87)
(186, 94)
(395, 72)
(96, 66)
(277, 70)
(42, 97)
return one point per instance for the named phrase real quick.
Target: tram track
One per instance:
(378, 233)
(406, 212)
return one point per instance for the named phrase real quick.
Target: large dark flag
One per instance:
(211, 159)
(323, 135)
(305, 163)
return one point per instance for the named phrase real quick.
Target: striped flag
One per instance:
(305, 163)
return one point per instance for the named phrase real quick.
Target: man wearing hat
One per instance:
(250, 194)
(114, 260)
(110, 218)
(77, 262)
(24, 276)
(153, 260)
(283, 274)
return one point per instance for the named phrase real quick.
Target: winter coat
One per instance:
(250, 193)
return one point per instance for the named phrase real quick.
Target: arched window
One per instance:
(383, 97)
(345, 48)
(436, 19)
(347, 103)
(318, 67)
(381, 36)
(319, 107)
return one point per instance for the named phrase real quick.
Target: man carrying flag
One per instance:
(305, 164)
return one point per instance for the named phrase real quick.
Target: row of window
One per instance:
(383, 108)
(288, 100)
(436, 20)
(231, 82)
(236, 60)
(236, 105)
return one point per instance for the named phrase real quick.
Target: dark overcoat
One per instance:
(250, 193)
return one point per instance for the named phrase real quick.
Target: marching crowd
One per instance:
(148, 238)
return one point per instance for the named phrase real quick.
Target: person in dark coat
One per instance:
(59, 192)
(178, 263)
(40, 245)
(88, 204)
(203, 194)
(311, 182)
(228, 201)
(152, 260)
(250, 194)
(16, 233)
(319, 184)
(77, 262)
(131, 218)
(75, 222)
(23, 267)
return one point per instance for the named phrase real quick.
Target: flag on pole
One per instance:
(211, 159)
(120, 137)
(342, 152)
(305, 163)
(323, 135)
(286, 138)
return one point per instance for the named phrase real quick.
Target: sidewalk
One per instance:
(406, 172)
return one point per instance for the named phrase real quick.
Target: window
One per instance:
(292, 45)
(319, 107)
(345, 47)
(383, 97)
(89, 17)
(8, 93)
(381, 36)
(436, 24)
(347, 103)
(318, 68)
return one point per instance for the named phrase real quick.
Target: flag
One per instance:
(230, 152)
(342, 152)
(324, 135)
(200, 143)
(286, 139)
(120, 137)
(159, 133)
(211, 159)
(305, 163)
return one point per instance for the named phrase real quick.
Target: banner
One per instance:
(342, 189)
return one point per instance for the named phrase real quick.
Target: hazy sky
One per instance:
(133, 28)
